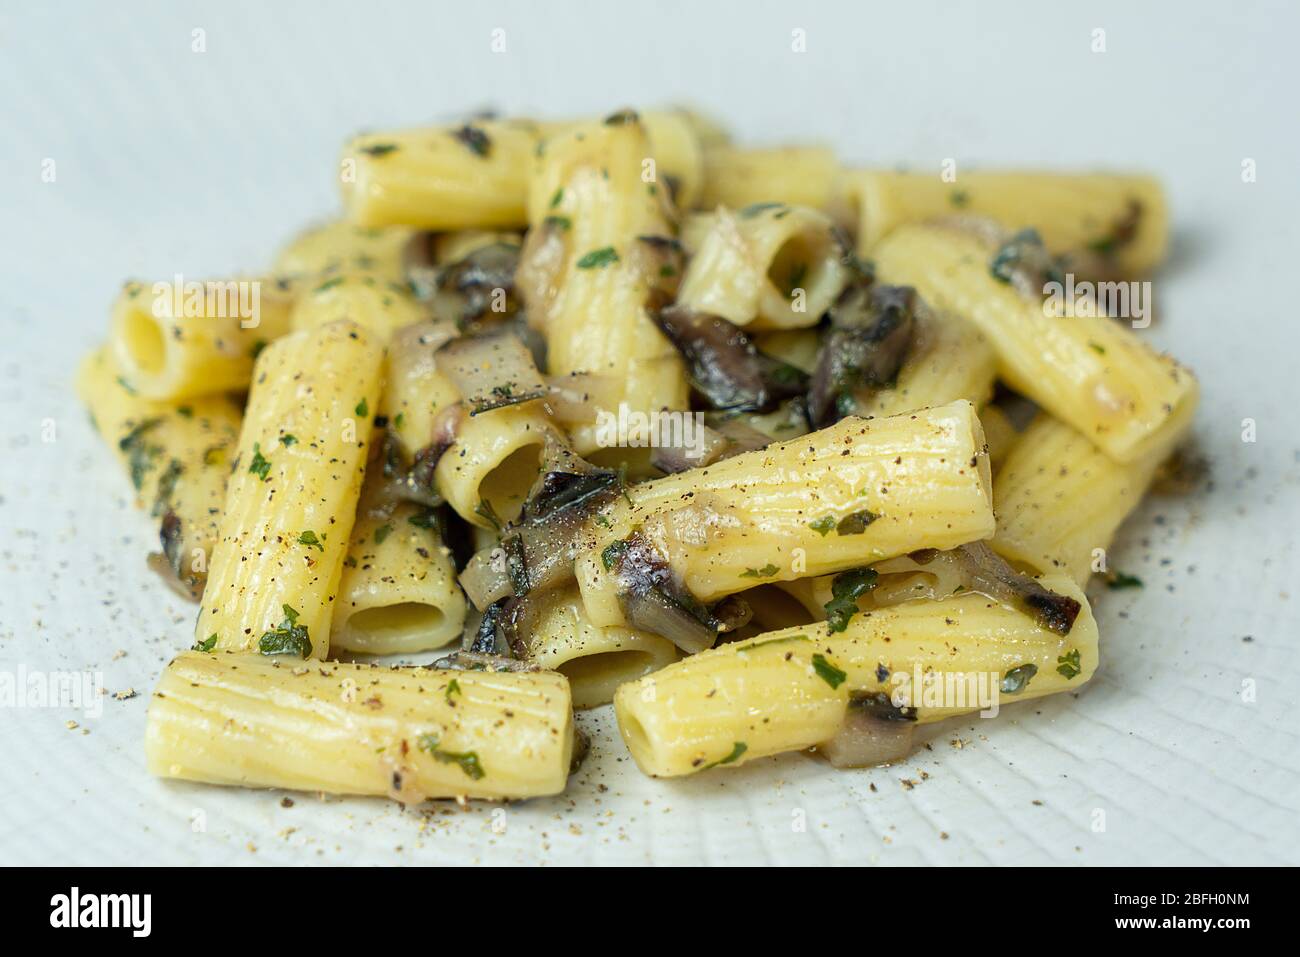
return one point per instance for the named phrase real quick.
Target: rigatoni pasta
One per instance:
(772, 455)
(407, 733)
(293, 494)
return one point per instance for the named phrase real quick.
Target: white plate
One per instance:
(1183, 749)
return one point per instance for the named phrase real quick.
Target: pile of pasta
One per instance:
(617, 411)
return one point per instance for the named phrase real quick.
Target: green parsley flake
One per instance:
(822, 526)
(468, 760)
(846, 589)
(287, 638)
(1068, 664)
(598, 258)
(828, 672)
(1017, 679)
(261, 466)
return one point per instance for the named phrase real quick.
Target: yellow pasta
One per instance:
(1059, 499)
(293, 494)
(407, 733)
(341, 246)
(594, 660)
(468, 176)
(398, 592)
(768, 265)
(179, 340)
(177, 455)
(589, 272)
(790, 690)
(1089, 371)
(949, 359)
(796, 175)
(1121, 219)
(846, 496)
(381, 305)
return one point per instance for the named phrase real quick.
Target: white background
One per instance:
(168, 160)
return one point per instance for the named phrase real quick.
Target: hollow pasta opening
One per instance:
(593, 679)
(146, 346)
(387, 621)
(795, 264)
(507, 485)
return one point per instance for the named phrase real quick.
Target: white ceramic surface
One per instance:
(169, 160)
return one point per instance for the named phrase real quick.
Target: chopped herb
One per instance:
(167, 486)
(822, 526)
(260, 466)
(130, 390)
(485, 511)
(756, 209)
(1017, 679)
(767, 571)
(604, 521)
(737, 749)
(185, 411)
(288, 439)
(559, 222)
(959, 198)
(382, 532)
(1117, 580)
(612, 554)
(309, 539)
(828, 672)
(363, 409)
(856, 523)
(598, 258)
(287, 638)
(468, 760)
(329, 284)
(140, 456)
(1095, 347)
(557, 197)
(1068, 664)
(427, 517)
(474, 138)
(453, 687)
(207, 644)
(846, 589)
(398, 420)
(378, 149)
(622, 118)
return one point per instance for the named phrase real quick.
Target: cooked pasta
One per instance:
(771, 455)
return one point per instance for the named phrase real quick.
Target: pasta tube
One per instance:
(381, 305)
(183, 340)
(471, 176)
(407, 733)
(791, 689)
(768, 265)
(177, 455)
(342, 246)
(1121, 219)
(851, 494)
(795, 175)
(398, 592)
(591, 262)
(1089, 371)
(1059, 499)
(595, 660)
(293, 494)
